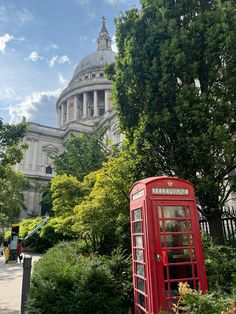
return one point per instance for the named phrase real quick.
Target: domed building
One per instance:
(88, 95)
(85, 101)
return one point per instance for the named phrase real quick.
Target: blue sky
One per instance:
(41, 41)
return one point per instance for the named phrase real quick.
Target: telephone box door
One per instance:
(177, 257)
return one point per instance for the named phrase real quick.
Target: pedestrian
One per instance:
(6, 251)
(19, 250)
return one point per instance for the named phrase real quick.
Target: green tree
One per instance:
(83, 153)
(66, 193)
(174, 89)
(102, 216)
(11, 148)
(12, 184)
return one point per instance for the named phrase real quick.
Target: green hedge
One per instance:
(65, 281)
(220, 263)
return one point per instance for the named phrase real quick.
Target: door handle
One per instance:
(158, 257)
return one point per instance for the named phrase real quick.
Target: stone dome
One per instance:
(93, 61)
(88, 96)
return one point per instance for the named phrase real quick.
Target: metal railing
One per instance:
(228, 218)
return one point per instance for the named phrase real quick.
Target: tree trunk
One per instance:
(216, 228)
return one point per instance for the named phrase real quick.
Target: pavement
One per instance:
(11, 285)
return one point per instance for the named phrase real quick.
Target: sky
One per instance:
(41, 42)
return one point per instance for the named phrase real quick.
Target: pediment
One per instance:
(50, 148)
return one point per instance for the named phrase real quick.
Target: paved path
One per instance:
(10, 286)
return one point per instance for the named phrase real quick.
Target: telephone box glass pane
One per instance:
(140, 311)
(174, 288)
(176, 256)
(140, 269)
(161, 225)
(137, 214)
(138, 227)
(189, 225)
(175, 225)
(174, 212)
(138, 241)
(141, 300)
(139, 255)
(187, 211)
(140, 284)
(191, 239)
(174, 240)
(162, 241)
(159, 211)
(180, 271)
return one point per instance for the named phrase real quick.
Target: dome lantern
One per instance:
(104, 40)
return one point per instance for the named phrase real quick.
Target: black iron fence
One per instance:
(228, 220)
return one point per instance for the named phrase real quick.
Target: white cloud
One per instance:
(34, 56)
(115, 2)
(20, 39)
(61, 79)
(58, 60)
(24, 16)
(38, 107)
(83, 37)
(7, 93)
(82, 2)
(63, 59)
(3, 14)
(53, 46)
(8, 14)
(113, 44)
(4, 40)
(52, 61)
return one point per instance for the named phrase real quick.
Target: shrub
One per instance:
(44, 238)
(193, 302)
(220, 263)
(67, 282)
(120, 266)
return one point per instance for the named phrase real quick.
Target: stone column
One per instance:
(106, 101)
(62, 113)
(27, 154)
(58, 117)
(68, 110)
(84, 105)
(35, 153)
(95, 103)
(75, 107)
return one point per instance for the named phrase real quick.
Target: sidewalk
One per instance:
(10, 286)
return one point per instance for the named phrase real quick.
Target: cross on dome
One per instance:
(104, 21)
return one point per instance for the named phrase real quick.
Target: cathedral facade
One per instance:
(85, 101)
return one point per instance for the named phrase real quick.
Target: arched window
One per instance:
(48, 170)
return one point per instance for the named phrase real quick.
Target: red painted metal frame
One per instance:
(150, 260)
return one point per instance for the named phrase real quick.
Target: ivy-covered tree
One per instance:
(12, 184)
(175, 92)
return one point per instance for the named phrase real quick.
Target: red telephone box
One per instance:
(166, 242)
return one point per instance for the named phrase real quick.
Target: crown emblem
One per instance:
(170, 183)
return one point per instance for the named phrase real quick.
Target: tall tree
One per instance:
(83, 153)
(102, 217)
(175, 91)
(12, 184)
